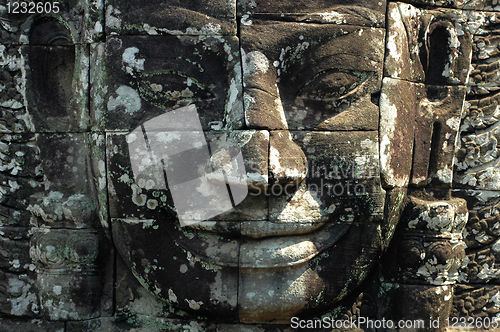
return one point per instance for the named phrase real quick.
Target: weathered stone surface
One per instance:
(471, 301)
(287, 161)
(132, 298)
(483, 77)
(434, 305)
(397, 128)
(20, 176)
(52, 94)
(192, 17)
(151, 191)
(203, 260)
(429, 247)
(255, 151)
(311, 76)
(462, 4)
(68, 281)
(18, 297)
(14, 256)
(145, 76)
(480, 237)
(67, 199)
(369, 13)
(34, 325)
(434, 45)
(477, 158)
(296, 88)
(427, 117)
(341, 182)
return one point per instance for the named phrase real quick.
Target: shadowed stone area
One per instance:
(250, 165)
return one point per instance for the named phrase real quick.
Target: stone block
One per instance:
(146, 76)
(419, 130)
(67, 198)
(18, 297)
(14, 255)
(481, 236)
(311, 76)
(368, 13)
(339, 180)
(14, 116)
(158, 195)
(476, 301)
(68, 283)
(434, 305)
(262, 297)
(192, 17)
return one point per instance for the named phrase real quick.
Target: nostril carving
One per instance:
(375, 98)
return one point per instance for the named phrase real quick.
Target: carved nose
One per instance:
(287, 161)
(271, 157)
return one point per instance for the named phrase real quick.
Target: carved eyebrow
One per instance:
(338, 15)
(323, 64)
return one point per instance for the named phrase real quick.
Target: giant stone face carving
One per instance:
(250, 161)
(306, 121)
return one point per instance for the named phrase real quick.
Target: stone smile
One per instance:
(269, 252)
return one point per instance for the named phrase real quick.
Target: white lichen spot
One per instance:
(393, 42)
(113, 21)
(245, 20)
(57, 290)
(496, 300)
(388, 116)
(445, 174)
(127, 99)
(15, 263)
(496, 246)
(453, 123)
(254, 63)
(152, 204)
(171, 296)
(194, 305)
(138, 198)
(124, 178)
(333, 17)
(130, 61)
(156, 87)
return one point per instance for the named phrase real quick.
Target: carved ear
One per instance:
(438, 51)
(52, 63)
(49, 32)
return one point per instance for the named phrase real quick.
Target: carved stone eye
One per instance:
(332, 85)
(163, 87)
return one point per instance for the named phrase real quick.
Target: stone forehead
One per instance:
(220, 17)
